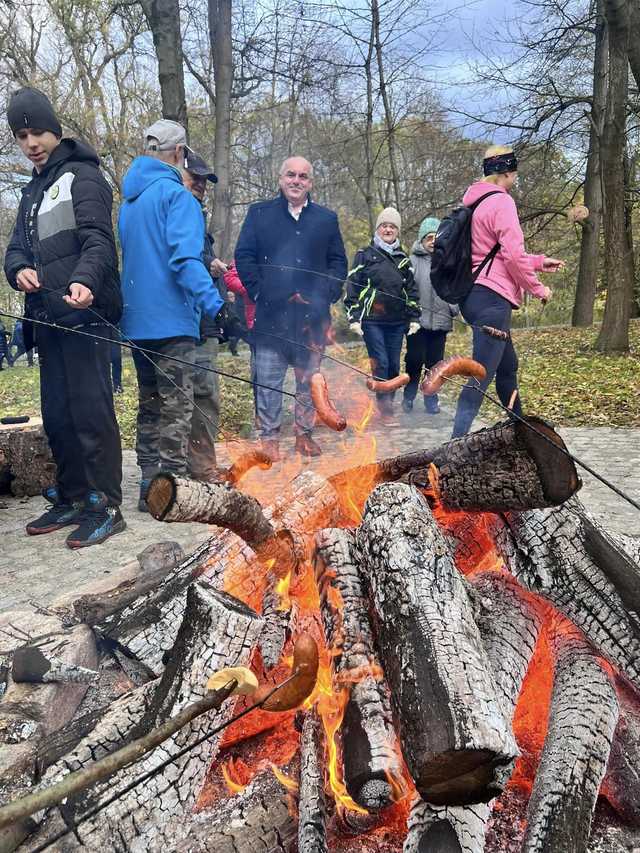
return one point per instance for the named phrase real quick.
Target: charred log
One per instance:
(173, 498)
(26, 463)
(454, 735)
(312, 809)
(446, 829)
(216, 631)
(582, 720)
(276, 623)
(368, 738)
(621, 785)
(563, 555)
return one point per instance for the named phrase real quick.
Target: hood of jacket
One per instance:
(480, 188)
(69, 149)
(419, 250)
(144, 172)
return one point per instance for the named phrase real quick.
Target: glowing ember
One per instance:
(289, 783)
(237, 775)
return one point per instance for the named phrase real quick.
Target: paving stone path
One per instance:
(39, 569)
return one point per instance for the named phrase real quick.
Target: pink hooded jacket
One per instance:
(495, 220)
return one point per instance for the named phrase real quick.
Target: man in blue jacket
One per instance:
(290, 258)
(165, 287)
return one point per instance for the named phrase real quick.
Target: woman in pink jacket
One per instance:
(501, 284)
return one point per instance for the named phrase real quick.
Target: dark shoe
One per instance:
(306, 446)
(271, 446)
(407, 406)
(98, 521)
(59, 514)
(431, 405)
(142, 500)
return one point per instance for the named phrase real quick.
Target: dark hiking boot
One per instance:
(407, 406)
(306, 446)
(271, 446)
(60, 513)
(431, 404)
(142, 499)
(98, 521)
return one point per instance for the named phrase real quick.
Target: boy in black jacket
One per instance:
(62, 255)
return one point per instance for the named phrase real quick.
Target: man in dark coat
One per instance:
(62, 255)
(290, 258)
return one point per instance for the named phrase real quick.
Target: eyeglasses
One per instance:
(304, 176)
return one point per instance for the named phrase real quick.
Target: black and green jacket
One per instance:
(381, 288)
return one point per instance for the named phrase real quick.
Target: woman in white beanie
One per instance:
(382, 301)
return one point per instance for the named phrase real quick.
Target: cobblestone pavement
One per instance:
(39, 569)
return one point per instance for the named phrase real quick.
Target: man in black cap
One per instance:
(62, 255)
(206, 387)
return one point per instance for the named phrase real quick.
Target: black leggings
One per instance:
(484, 306)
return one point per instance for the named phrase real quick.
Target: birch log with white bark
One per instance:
(369, 742)
(454, 735)
(216, 631)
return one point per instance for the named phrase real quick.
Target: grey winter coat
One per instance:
(436, 313)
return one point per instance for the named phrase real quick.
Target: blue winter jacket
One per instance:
(293, 270)
(165, 285)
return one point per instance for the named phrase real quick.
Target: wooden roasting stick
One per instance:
(455, 734)
(369, 742)
(582, 720)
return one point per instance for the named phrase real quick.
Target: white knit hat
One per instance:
(389, 214)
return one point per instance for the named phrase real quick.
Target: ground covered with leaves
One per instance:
(562, 379)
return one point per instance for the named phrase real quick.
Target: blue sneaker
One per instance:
(61, 513)
(98, 521)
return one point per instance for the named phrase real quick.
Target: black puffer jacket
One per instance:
(64, 232)
(381, 288)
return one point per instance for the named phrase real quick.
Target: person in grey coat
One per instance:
(426, 347)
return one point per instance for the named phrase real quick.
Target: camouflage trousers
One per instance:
(165, 405)
(206, 413)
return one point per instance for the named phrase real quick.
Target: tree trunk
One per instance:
(26, 463)
(163, 17)
(312, 809)
(386, 101)
(369, 757)
(370, 160)
(590, 238)
(582, 720)
(563, 555)
(220, 38)
(634, 44)
(454, 735)
(614, 334)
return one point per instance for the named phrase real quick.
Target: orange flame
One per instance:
(282, 591)
(237, 775)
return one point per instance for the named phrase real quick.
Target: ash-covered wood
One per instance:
(508, 466)
(621, 785)
(276, 623)
(257, 820)
(173, 498)
(31, 665)
(552, 553)
(446, 829)
(454, 735)
(312, 808)
(148, 626)
(582, 720)
(26, 463)
(216, 631)
(369, 743)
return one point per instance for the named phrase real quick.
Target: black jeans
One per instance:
(424, 349)
(484, 306)
(78, 414)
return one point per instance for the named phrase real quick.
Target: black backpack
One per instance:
(451, 274)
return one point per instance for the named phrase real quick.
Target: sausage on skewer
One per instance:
(456, 365)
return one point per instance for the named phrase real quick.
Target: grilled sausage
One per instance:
(327, 412)
(245, 463)
(305, 672)
(456, 365)
(384, 385)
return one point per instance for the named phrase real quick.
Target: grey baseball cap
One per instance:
(166, 134)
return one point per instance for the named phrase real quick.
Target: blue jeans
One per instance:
(384, 343)
(484, 306)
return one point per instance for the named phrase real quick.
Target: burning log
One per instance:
(173, 498)
(621, 786)
(454, 735)
(276, 623)
(368, 737)
(217, 631)
(582, 720)
(312, 809)
(565, 556)
(509, 624)
(509, 466)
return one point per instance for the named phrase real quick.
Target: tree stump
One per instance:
(454, 735)
(26, 463)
